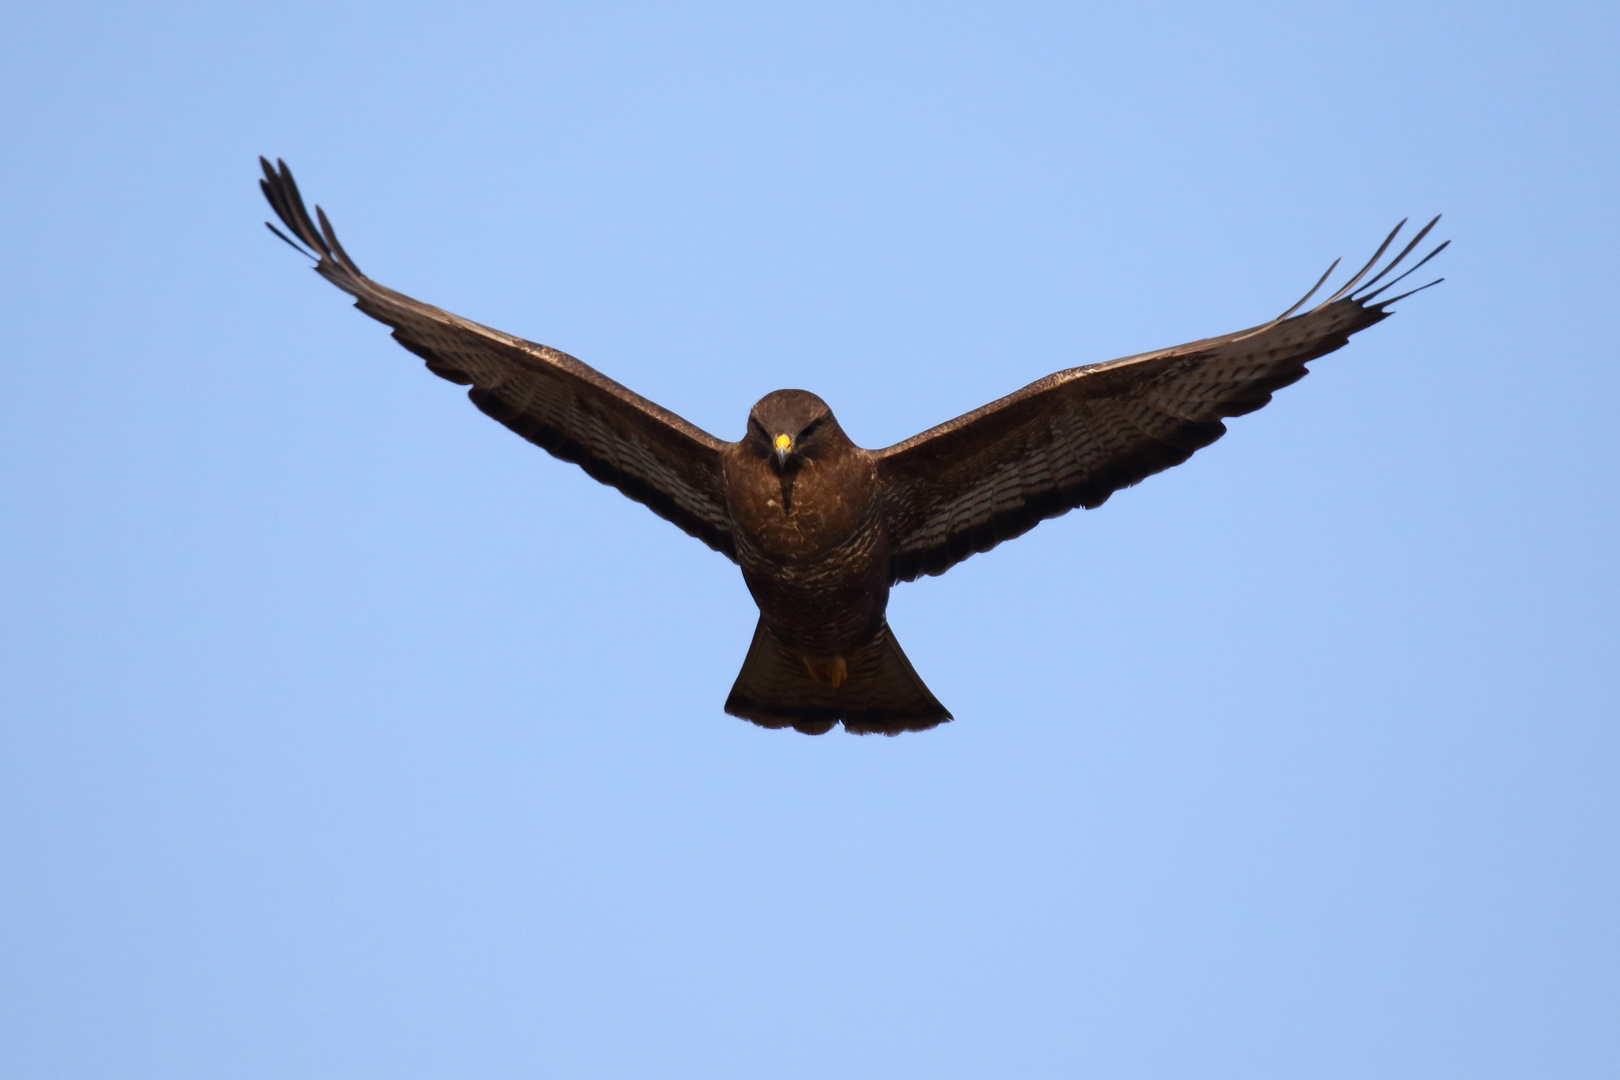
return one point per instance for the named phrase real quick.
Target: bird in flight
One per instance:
(822, 528)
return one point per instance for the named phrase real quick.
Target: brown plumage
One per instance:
(822, 528)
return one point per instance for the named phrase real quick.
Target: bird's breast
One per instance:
(817, 509)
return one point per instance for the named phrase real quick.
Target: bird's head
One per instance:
(789, 427)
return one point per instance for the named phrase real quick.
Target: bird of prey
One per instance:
(822, 528)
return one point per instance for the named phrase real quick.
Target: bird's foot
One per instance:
(832, 670)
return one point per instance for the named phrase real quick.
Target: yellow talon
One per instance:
(833, 671)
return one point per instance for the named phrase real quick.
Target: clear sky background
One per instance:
(346, 735)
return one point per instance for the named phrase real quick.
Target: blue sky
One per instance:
(343, 734)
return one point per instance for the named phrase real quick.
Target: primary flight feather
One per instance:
(822, 528)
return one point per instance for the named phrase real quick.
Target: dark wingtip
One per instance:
(1364, 298)
(282, 196)
(1379, 254)
(281, 192)
(1367, 298)
(1397, 260)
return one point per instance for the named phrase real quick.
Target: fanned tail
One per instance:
(879, 694)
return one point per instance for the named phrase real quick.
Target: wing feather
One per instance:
(548, 397)
(1075, 437)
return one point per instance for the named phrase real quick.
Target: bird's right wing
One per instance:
(548, 397)
(1077, 436)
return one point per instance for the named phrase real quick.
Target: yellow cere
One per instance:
(783, 442)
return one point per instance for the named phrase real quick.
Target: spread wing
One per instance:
(548, 397)
(1076, 437)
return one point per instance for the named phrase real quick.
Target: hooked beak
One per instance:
(784, 449)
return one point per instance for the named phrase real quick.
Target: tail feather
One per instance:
(881, 693)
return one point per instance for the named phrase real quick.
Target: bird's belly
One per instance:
(825, 603)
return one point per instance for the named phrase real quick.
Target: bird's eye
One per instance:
(808, 428)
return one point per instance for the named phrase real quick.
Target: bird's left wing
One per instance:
(548, 397)
(1076, 437)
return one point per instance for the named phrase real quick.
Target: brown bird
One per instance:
(822, 528)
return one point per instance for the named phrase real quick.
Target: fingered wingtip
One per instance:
(1367, 297)
(1347, 292)
(281, 192)
(1345, 289)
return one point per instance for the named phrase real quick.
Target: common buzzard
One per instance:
(822, 528)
